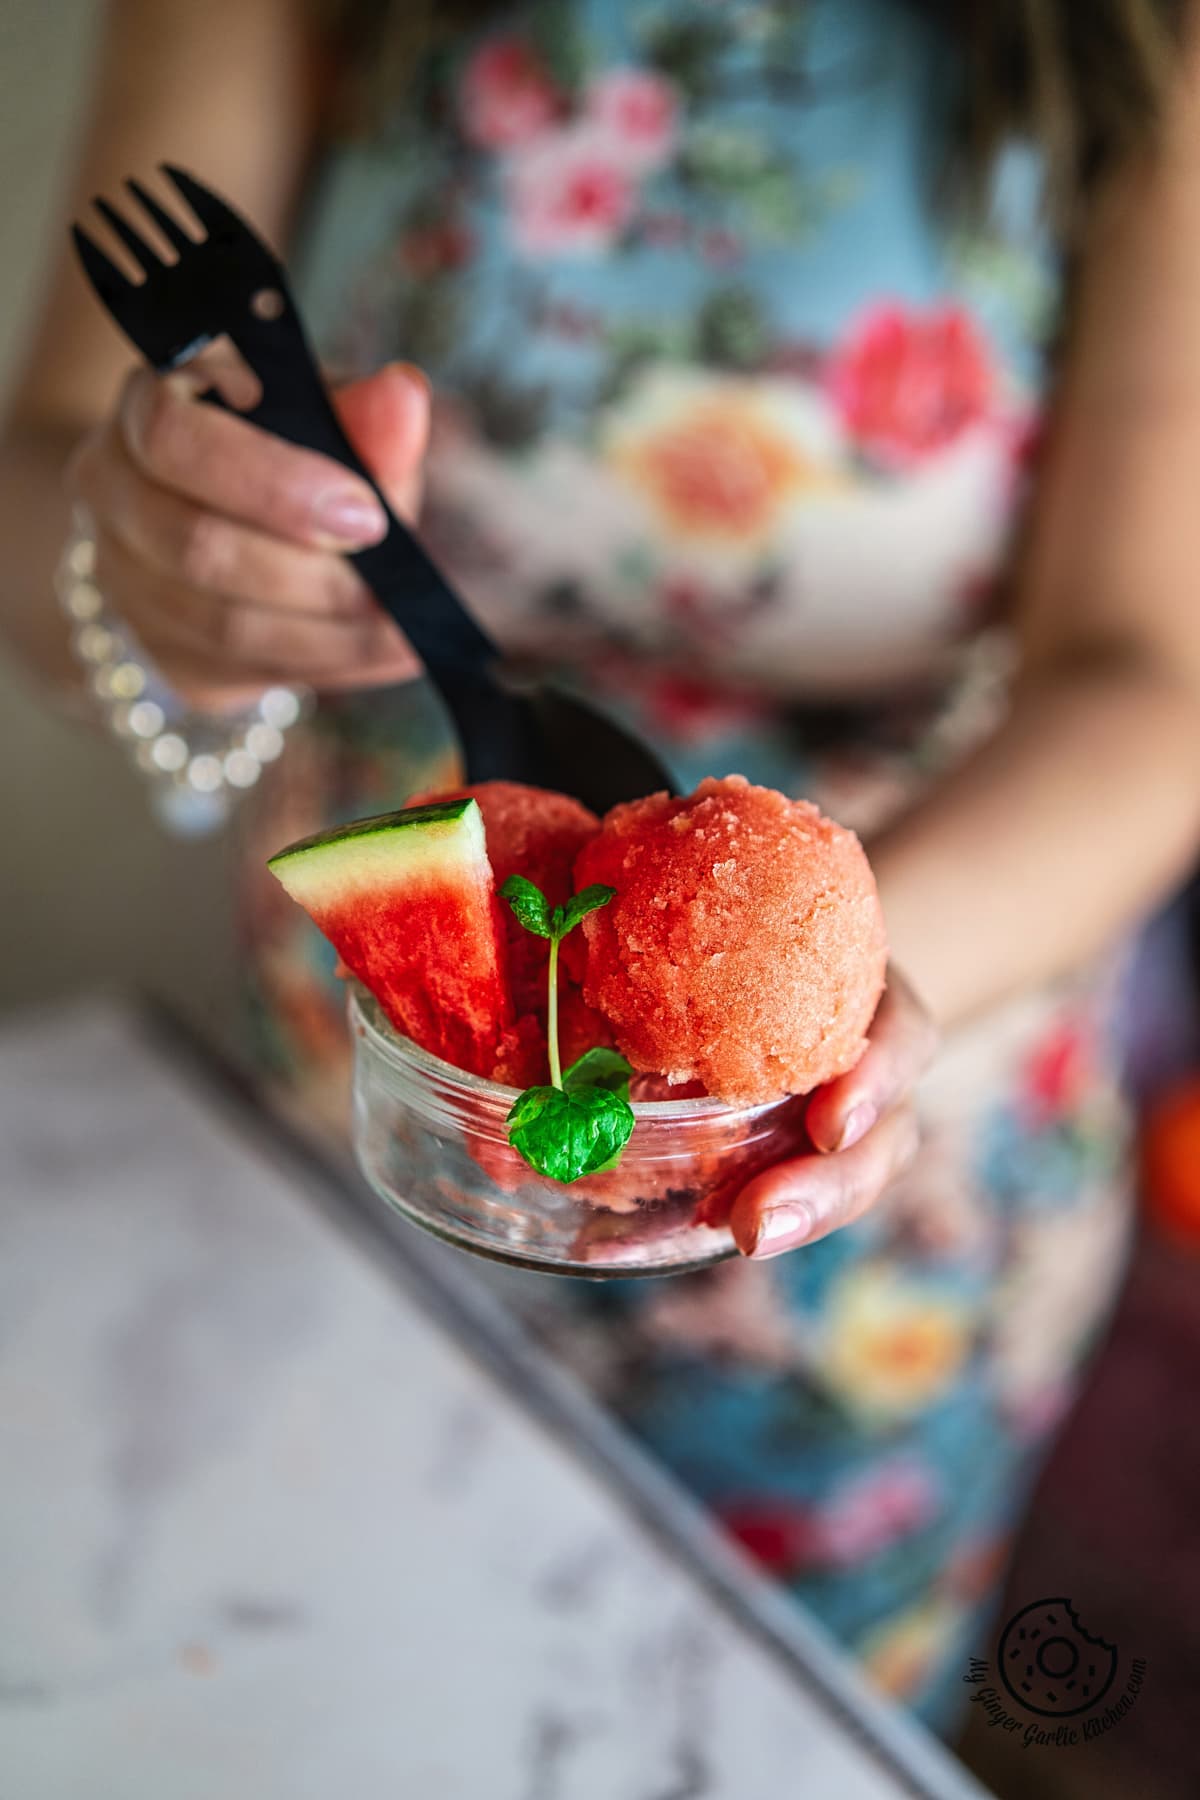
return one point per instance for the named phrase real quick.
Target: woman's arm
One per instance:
(1084, 810)
(223, 88)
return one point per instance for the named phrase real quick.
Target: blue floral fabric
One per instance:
(733, 414)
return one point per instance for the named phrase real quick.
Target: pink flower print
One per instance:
(638, 111)
(567, 196)
(506, 95)
(1056, 1073)
(874, 1510)
(775, 1534)
(692, 711)
(908, 384)
(862, 1518)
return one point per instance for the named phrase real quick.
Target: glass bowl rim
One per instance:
(403, 1055)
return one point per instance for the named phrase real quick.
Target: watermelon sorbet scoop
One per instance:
(745, 946)
(742, 952)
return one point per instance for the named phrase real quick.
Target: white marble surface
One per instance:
(266, 1531)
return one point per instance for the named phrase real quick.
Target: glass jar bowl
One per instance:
(433, 1143)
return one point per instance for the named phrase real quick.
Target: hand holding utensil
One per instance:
(229, 284)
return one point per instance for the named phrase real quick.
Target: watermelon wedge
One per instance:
(408, 901)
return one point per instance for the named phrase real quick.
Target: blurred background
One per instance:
(92, 893)
(100, 894)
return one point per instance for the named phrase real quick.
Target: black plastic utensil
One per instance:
(229, 284)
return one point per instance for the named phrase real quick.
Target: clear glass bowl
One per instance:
(433, 1143)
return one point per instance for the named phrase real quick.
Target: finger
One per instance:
(227, 465)
(183, 541)
(245, 640)
(900, 1047)
(386, 417)
(800, 1201)
(211, 685)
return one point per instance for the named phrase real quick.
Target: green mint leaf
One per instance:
(529, 904)
(600, 1068)
(580, 905)
(567, 1135)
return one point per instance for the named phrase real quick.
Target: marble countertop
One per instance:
(289, 1508)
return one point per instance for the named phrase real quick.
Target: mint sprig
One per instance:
(581, 1122)
(530, 905)
(535, 913)
(567, 1134)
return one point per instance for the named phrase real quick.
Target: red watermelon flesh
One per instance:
(408, 901)
(537, 833)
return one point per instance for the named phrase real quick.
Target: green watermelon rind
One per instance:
(408, 901)
(439, 812)
(334, 857)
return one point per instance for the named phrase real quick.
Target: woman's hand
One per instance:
(223, 547)
(864, 1132)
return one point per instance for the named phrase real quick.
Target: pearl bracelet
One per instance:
(196, 762)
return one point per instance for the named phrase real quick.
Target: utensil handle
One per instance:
(404, 579)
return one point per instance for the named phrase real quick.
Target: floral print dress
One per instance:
(732, 420)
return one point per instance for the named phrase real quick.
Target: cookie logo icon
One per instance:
(1050, 1664)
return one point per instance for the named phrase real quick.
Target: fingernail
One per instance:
(859, 1121)
(351, 515)
(781, 1228)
